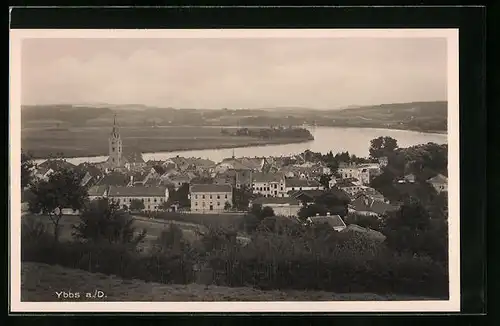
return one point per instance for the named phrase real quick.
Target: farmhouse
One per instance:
(210, 198)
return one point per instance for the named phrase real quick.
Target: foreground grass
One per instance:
(39, 282)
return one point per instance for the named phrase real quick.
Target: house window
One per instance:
(155, 200)
(210, 196)
(218, 196)
(225, 196)
(195, 196)
(195, 203)
(293, 188)
(203, 196)
(281, 188)
(218, 203)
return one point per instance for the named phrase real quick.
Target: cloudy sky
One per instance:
(322, 73)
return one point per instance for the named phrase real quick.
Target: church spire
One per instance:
(115, 128)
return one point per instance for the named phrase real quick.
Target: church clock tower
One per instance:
(115, 147)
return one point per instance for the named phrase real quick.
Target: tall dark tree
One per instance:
(104, 221)
(241, 198)
(382, 146)
(61, 190)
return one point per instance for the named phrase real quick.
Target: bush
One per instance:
(113, 259)
(341, 262)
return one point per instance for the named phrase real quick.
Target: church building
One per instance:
(118, 159)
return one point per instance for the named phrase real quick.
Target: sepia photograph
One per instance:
(234, 170)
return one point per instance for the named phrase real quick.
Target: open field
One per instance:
(40, 281)
(92, 141)
(190, 225)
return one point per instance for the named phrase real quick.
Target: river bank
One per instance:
(92, 142)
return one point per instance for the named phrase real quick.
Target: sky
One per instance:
(321, 73)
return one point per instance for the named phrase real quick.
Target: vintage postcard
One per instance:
(234, 170)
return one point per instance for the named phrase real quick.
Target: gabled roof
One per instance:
(137, 191)
(370, 205)
(438, 179)
(97, 191)
(294, 182)
(55, 164)
(267, 177)
(305, 193)
(114, 179)
(211, 188)
(133, 157)
(276, 200)
(369, 232)
(332, 220)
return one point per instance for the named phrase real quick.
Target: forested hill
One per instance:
(420, 116)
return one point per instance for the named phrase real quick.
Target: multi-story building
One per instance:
(294, 184)
(211, 198)
(269, 184)
(152, 197)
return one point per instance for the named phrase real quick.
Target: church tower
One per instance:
(115, 147)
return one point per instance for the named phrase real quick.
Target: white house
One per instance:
(288, 207)
(210, 198)
(152, 197)
(293, 184)
(268, 184)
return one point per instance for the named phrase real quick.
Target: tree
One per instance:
(182, 195)
(172, 238)
(324, 180)
(311, 210)
(61, 190)
(136, 205)
(266, 212)
(227, 206)
(165, 206)
(104, 221)
(241, 198)
(27, 165)
(382, 146)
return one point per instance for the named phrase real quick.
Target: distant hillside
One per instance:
(420, 116)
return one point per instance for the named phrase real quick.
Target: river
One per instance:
(354, 140)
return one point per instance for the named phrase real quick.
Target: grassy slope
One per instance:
(40, 281)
